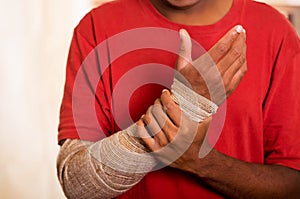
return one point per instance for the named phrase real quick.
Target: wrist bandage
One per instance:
(195, 106)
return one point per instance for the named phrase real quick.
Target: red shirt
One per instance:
(109, 88)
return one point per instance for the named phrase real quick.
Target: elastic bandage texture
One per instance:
(195, 106)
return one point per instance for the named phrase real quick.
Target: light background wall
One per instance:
(290, 8)
(35, 36)
(282, 2)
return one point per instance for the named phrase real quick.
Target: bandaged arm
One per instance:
(113, 165)
(104, 169)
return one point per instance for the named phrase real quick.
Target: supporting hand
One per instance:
(176, 139)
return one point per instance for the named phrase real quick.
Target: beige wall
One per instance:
(35, 36)
(288, 7)
(282, 2)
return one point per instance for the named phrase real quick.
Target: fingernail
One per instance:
(245, 32)
(239, 29)
(183, 32)
(165, 90)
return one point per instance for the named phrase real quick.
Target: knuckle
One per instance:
(244, 69)
(226, 82)
(156, 110)
(215, 79)
(222, 71)
(235, 52)
(147, 119)
(173, 129)
(153, 109)
(229, 89)
(157, 101)
(149, 109)
(169, 107)
(162, 142)
(222, 48)
(171, 137)
(139, 123)
(242, 59)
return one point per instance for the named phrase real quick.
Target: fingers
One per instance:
(141, 131)
(236, 53)
(164, 122)
(224, 44)
(185, 50)
(154, 129)
(228, 54)
(239, 64)
(172, 110)
(181, 137)
(159, 126)
(150, 123)
(237, 78)
(233, 65)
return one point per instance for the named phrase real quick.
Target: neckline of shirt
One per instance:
(230, 19)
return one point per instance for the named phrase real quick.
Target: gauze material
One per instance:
(104, 169)
(195, 106)
(123, 152)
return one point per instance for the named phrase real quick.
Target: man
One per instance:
(257, 154)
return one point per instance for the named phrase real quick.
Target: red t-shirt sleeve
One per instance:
(282, 105)
(81, 115)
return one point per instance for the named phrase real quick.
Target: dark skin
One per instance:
(231, 177)
(193, 12)
(227, 175)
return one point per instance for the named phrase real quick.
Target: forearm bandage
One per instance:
(112, 166)
(195, 106)
(104, 169)
(124, 153)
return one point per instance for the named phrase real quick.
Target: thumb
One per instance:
(185, 50)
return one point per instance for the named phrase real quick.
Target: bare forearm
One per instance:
(238, 179)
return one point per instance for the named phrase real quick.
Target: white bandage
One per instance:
(104, 169)
(119, 152)
(195, 106)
